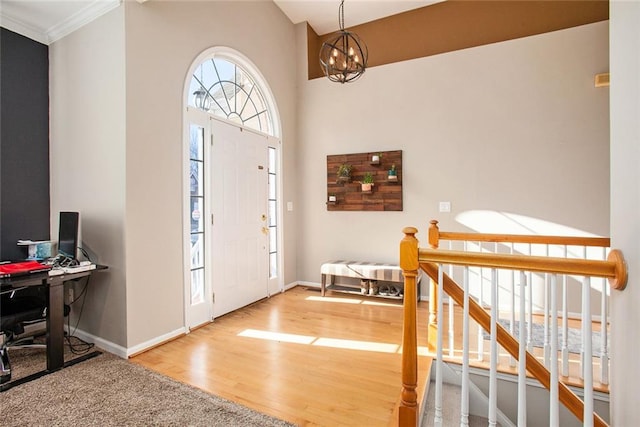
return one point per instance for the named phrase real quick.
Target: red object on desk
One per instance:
(22, 268)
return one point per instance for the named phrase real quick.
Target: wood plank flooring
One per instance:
(313, 361)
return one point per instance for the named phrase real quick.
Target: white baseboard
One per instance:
(156, 341)
(102, 343)
(309, 284)
(126, 352)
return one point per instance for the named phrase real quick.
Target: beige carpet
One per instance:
(110, 391)
(28, 361)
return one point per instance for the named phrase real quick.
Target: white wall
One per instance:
(514, 127)
(87, 160)
(162, 41)
(625, 208)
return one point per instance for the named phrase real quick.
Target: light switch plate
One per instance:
(445, 206)
(290, 206)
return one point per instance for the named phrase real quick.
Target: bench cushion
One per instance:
(363, 270)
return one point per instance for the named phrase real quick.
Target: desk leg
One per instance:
(55, 327)
(323, 284)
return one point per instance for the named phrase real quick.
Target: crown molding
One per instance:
(26, 30)
(91, 11)
(85, 15)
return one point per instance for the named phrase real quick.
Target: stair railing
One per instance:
(432, 261)
(572, 247)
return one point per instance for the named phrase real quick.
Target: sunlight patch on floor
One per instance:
(353, 301)
(357, 345)
(326, 342)
(332, 299)
(277, 336)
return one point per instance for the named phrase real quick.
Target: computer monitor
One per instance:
(68, 234)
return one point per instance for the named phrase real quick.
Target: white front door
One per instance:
(238, 188)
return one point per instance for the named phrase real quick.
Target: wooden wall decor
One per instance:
(347, 193)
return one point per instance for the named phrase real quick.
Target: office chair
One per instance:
(19, 308)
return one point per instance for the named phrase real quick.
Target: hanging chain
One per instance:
(341, 15)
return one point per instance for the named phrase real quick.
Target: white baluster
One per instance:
(480, 334)
(437, 422)
(584, 301)
(565, 324)
(493, 368)
(604, 333)
(464, 398)
(530, 318)
(451, 307)
(451, 328)
(512, 319)
(480, 339)
(587, 369)
(546, 315)
(522, 363)
(554, 420)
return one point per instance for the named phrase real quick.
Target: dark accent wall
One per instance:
(24, 142)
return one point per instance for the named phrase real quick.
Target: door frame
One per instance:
(196, 116)
(240, 59)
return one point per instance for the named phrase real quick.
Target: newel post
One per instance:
(432, 328)
(409, 410)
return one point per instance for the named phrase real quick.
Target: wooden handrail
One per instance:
(614, 268)
(567, 397)
(435, 235)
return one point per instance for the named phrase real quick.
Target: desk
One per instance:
(55, 315)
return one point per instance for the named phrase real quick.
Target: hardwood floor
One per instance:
(313, 361)
(300, 357)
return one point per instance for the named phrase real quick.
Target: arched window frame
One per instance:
(249, 70)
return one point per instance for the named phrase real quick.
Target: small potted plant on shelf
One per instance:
(367, 182)
(332, 199)
(375, 159)
(344, 173)
(392, 174)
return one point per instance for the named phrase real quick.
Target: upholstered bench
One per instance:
(384, 276)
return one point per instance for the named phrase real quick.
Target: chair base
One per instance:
(5, 366)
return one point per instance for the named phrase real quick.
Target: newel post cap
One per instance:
(409, 250)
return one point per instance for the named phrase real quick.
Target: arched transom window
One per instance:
(226, 90)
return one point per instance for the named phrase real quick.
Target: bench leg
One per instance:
(323, 284)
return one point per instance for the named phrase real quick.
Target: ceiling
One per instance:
(49, 20)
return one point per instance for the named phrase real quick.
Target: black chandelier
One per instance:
(343, 57)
